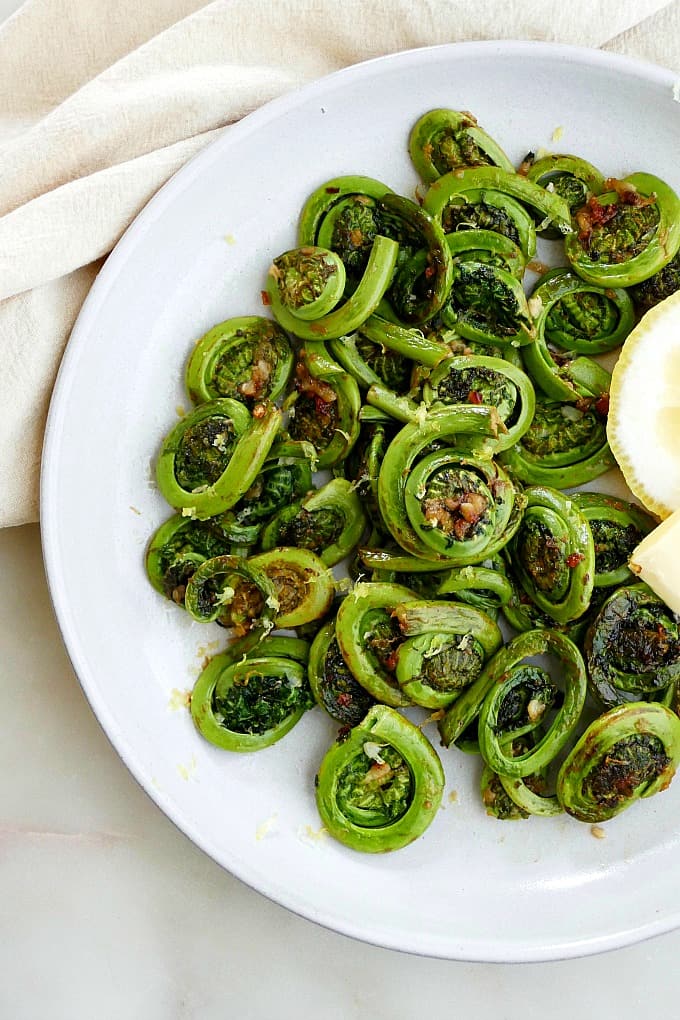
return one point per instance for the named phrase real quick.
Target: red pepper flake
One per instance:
(332, 191)
(601, 405)
(391, 661)
(266, 300)
(344, 699)
(574, 559)
(475, 397)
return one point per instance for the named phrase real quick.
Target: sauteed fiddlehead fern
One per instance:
(404, 359)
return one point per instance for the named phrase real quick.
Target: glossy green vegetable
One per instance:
(329, 521)
(443, 140)
(213, 456)
(515, 694)
(248, 698)
(573, 316)
(408, 342)
(369, 362)
(476, 379)
(380, 788)
(177, 549)
(486, 588)
(231, 588)
(309, 281)
(563, 447)
(529, 794)
(447, 197)
(632, 751)
(429, 390)
(617, 527)
(658, 287)
(303, 584)
(423, 280)
(368, 636)
(248, 358)
(483, 508)
(488, 305)
(554, 554)
(512, 798)
(478, 245)
(342, 215)
(278, 484)
(332, 684)
(572, 178)
(349, 315)
(633, 647)
(324, 410)
(581, 317)
(627, 234)
(444, 648)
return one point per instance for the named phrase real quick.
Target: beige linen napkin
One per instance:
(102, 102)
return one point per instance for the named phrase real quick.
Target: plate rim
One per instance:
(490, 950)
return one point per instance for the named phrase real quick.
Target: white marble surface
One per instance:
(107, 911)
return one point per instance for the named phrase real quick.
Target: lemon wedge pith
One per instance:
(643, 426)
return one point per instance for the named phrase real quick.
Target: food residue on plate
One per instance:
(187, 771)
(179, 699)
(267, 827)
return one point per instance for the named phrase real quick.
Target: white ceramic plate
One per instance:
(472, 887)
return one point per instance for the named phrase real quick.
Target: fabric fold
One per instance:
(117, 98)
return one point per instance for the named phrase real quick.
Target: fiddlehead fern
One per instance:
(368, 636)
(632, 751)
(247, 699)
(423, 280)
(456, 199)
(483, 587)
(448, 504)
(518, 797)
(519, 696)
(573, 316)
(658, 287)
(213, 456)
(329, 521)
(177, 549)
(444, 140)
(370, 363)
(632, 647)
(276, 486)
(617, 527)
(483, 380)
(627, 234)
(581, 317)
(488, 305)
(303, 584)
(306, 271)
(231, 588)
(572, 178)
(564, 446)
(332, 683)
(342, 215)
(487, 246)
(324, 410)
(554, 554)
(444, 648)
(380, 788)
(247, 359)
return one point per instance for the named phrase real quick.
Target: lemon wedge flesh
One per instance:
(657, 563)
(643, 427)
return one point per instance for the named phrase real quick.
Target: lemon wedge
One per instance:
(655, 561)
(643, 426)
